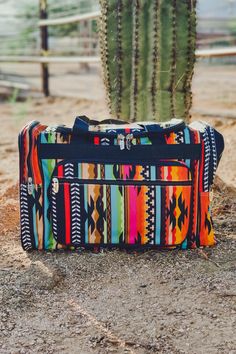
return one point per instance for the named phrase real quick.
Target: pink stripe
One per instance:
(67, 213)
(126, 171)
(132, 214)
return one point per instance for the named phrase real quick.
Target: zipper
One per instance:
(30, 186)
(129, 139)
(55, 185)
(131, 163)
(121, 141)
(143, 133)
(57, 181)
(125, 141)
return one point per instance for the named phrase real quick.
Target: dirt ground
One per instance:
(119, 302)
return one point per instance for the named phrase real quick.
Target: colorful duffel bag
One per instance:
(114, 184)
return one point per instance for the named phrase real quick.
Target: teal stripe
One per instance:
(79, 170)
(187, 141)
(109, 172)
(86, 209)
(153, 173)
(145, 141)
(117, 209)
(49, 241)
(46, 204)
(158, 216)
(48, 167)
(184, 245)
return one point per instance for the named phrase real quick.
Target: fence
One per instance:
(45, 59)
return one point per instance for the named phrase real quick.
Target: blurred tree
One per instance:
(232, 28)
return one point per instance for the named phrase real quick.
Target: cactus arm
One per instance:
(104, 49)
(174, 58)
(166, 39)
(164, 106)
(119, 58)
(186, 34)
(191, 55)
(135, 62)
(144, 70)
(155, 56)
(112, 52)
(147, 49)
(110, 9)
(182, 38)
(126, 35)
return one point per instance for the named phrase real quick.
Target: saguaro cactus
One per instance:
(147, 49)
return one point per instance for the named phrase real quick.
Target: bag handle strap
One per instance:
(82, 123)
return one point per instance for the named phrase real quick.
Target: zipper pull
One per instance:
(55, 185)
(30, 185)
(121, 141)
(129, 139)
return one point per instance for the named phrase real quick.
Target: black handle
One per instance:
(82, 123)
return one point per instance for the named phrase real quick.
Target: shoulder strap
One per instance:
(82, 123)
(213, 147)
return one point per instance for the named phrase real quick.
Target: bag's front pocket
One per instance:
(123, 211)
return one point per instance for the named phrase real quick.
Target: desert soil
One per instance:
(119, 302)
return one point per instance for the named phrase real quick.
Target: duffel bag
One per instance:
(115, 184)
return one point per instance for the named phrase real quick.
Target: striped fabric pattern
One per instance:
(112, 214)
(160, 205)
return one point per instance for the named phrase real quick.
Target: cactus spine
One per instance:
(147, 49)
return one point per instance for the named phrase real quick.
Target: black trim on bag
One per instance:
(124, 182)
(114, 246)
(144, 130)
(147, 153)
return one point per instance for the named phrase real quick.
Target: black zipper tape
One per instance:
(143, 132)
(160, 163)
(113, 154)
(62, 180)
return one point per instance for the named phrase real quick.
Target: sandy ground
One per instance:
(118, 302)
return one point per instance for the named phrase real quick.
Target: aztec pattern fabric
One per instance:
(117, 185)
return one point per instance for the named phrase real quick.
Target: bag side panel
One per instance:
(206, 176)
(30, 201)
(194, 165)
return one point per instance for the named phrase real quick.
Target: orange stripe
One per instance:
(35, 160)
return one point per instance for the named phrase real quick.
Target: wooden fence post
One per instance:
(44, 47)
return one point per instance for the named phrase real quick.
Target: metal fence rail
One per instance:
(49, 60)
(69, 19)
(46, 59)
(200, 53)
(216, 52)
